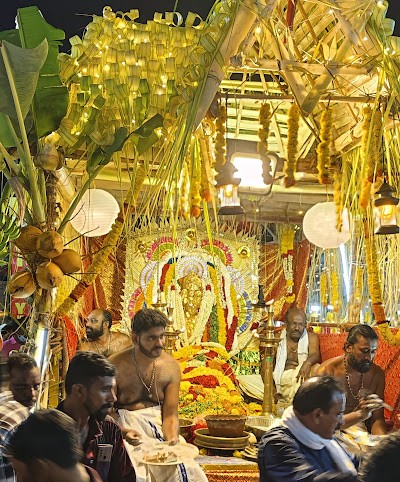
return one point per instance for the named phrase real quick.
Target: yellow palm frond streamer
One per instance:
(374, 284)
(292, 140)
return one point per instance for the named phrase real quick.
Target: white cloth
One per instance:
(148, 423)
(316, 442)
(281, 356)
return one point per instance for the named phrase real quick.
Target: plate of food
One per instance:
(164, 454)
(161, 457)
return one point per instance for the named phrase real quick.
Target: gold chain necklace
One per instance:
(153, 375)
(290, 348)
(356, 396)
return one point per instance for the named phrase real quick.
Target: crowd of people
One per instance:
(113, 405)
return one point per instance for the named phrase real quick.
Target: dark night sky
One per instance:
(71, 15)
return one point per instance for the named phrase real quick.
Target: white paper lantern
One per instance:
(319, 226)
(95, 213)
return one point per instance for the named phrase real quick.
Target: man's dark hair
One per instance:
(20, 361)
(46, 434)
(107, 317)
(85, 367)
(295, 310)
(382, 465)
(360, 330)
(145, 319)
(316, 392)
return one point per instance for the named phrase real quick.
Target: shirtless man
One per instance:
(146, 375)
(363, 381)
(297, 352)
(99, 337)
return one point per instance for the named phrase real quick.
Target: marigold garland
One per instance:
(388, 335)
(220, 138)
(323, 289)
(292, 140)
(335, 291)
(374, 284)
(323, 149)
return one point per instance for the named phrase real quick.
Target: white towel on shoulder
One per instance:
(281, 356)
(314, 441)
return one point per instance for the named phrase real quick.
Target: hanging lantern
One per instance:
(95, 213)
(228, 186)
(385, 210)
(319, 226)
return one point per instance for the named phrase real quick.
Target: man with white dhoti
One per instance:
(147, 401)
(297, 352)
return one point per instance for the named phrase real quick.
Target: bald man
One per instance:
(99, 338)
(297, 352)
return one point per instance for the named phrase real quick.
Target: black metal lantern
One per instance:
(228, 186)
(385, 210)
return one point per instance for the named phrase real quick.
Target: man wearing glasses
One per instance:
(297, 352)
(24, 379)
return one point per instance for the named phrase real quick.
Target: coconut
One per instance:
(21, 284)
(69, 261)
(49, 244)
(49, 275)
(26, 241)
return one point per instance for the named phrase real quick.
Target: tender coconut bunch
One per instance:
(21, 284)
(49, 274)
(26, 241)
(50, 244)
(69, 261)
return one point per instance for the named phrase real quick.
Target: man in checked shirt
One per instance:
(15, 404)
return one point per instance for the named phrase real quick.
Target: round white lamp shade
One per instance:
(95, 213)
(319, 226)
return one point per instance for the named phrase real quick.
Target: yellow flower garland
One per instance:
(374, 284)
(335, 291)
(220, 139)
(323, 289)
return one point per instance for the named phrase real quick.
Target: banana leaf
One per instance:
(144, 137)
(24, 65)
(50, 101)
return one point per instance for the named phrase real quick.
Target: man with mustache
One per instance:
(90, 388)
(99, 338)
(297, 352)
(148, 394)
(362, 380)
(303, 446)
(24, 384)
